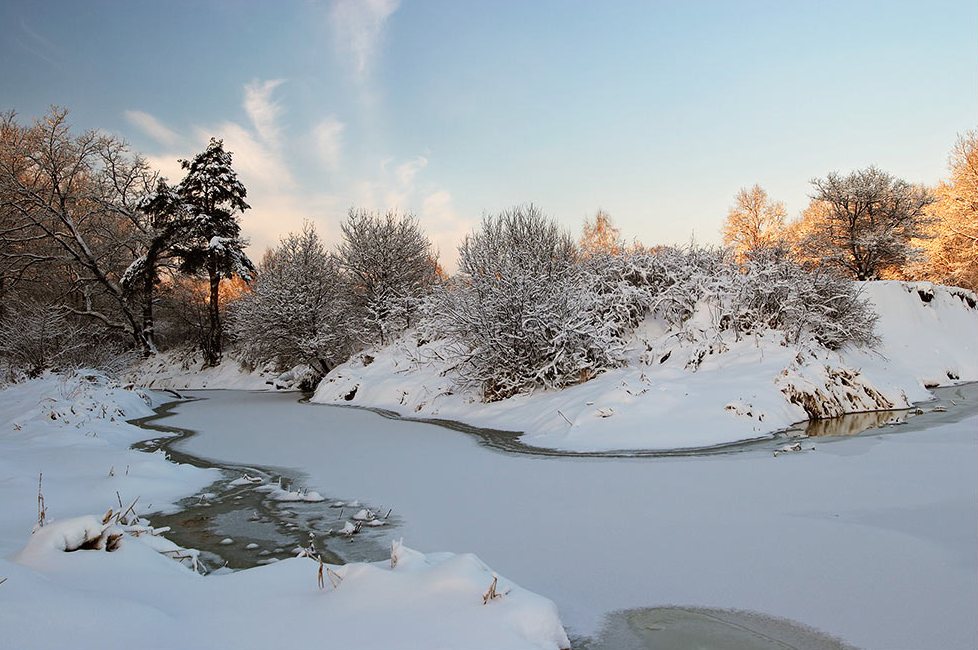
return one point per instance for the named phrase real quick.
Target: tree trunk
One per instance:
(214, 337)
(149, 334)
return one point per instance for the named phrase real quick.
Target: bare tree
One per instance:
(753, 222)
(67, 204)
(390, 266)
(522, 313)
(600, 237)
(952, 249)
(867, 222)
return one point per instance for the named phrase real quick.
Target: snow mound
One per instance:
(79, 399)
(277, 493)
(78, 533)
(676, 393)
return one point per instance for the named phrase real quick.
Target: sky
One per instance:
(655, 112)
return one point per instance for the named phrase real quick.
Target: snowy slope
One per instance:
(181, 368)
(739, 390)
(73, 430)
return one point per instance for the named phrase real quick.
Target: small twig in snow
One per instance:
(334, 578)
(42, 510)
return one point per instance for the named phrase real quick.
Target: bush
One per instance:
(701, 293)
(521, 312)
(36, 336)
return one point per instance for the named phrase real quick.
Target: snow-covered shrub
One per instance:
(521, 312)
(701, 293)
(389, 267)
(36, 336)
(296, 312)
(777, 293)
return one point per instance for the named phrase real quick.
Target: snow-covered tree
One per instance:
(296, 312)
(866, 222)
(390, 266)
(162, 224)
(520, 311)
(214, 197)
(754, 221)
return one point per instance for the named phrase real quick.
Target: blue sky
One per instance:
(657, 112)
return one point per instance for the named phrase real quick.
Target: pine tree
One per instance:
(163, 223)
(215, 197)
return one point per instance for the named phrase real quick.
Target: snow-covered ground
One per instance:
(73, 430)
(928, 337)
(184, 368)
(870, 538)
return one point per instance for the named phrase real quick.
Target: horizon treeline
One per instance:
(102, 261)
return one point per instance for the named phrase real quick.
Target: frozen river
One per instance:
(870, 538)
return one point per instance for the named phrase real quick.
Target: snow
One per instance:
(740, 390)
(871, 538)
(277, 493)
(74, 430)
(181, 369)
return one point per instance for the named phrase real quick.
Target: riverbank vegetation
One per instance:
(102, 260)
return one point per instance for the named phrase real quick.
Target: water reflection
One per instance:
(855, 423)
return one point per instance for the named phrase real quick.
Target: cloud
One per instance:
(328, 136)
(278, 191)
(406, 171)
(262, 110)
(258, 164)
(152, 127)
(168, 165)
(358, 27)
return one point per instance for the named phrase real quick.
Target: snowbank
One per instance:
(73, 429)
(181, 369)
(73, 579)
(674, 395)
(415, 601)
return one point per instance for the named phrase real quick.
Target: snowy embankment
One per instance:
(184, 369)
(672, 395)
(72, 582)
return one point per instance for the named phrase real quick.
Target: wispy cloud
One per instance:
(328, 136)
(263, 110)
(407, 171)
(152, 127)
(358, 27)
(258, 163)
(38, 45)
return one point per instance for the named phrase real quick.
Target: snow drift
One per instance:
(675, 393)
